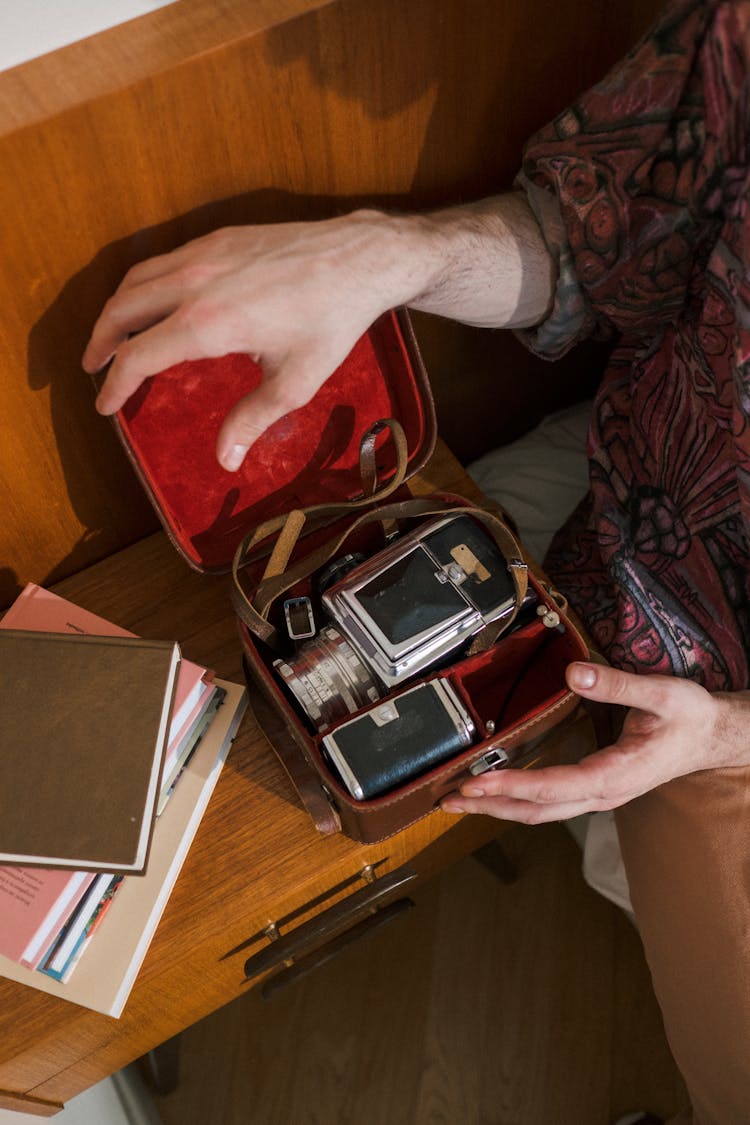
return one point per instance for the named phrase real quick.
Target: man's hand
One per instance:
(674, 727)
(297, 297)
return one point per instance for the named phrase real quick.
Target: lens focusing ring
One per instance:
(328, 679)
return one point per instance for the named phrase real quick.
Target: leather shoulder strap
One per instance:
(253, 610)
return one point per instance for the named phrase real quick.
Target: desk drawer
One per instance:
(288, 956)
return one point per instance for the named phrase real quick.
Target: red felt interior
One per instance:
(515, 679)
(310, 456)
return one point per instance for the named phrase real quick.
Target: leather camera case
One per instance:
(343, 474)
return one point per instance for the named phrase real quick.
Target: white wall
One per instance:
(29, 28)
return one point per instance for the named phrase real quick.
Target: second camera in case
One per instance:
(399, 738)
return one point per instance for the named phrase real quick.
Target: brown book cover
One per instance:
(108, 968)
(84, 723)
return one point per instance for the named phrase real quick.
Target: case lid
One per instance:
(170, 425)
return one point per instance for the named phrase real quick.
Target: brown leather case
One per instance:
(514, 689)
(342, 472)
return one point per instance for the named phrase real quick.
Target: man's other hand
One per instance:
(674, 727)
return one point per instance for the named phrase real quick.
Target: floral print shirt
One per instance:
(642, 188)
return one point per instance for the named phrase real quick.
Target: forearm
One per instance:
(485, 263)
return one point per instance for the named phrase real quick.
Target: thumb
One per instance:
(610, 685)
(282, 390)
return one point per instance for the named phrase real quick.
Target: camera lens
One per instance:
(328, 679)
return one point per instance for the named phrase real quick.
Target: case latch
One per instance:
(492, 759)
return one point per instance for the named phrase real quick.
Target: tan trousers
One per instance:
(686, 848)
(686, 845)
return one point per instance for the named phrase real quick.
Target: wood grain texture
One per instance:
(158, 41)
(206, 113)
(32, 1107)
(256, 856)
(490, 1004)
(202, 114)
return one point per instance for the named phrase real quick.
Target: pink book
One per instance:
(34, 903)
(176, 734)
(39, 610)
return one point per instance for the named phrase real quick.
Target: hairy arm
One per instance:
(297, 296)
(484, 264)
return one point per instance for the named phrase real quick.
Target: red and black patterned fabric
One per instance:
(642, 190)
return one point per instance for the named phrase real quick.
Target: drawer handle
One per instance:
(318, 930)
(326, 952)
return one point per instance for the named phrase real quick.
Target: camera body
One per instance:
(398, 738)
(415, 602)
(403, 612)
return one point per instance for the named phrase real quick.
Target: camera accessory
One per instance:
(328, 679)
(300, 622)
(418, 600)
(399, 739)
(338, 569)
(550, 618)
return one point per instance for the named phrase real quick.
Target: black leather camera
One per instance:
(398, 738)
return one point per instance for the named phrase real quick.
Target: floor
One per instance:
(489, 1004)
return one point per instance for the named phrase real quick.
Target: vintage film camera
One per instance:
(404, 612)
(418, 601)
(399, 738)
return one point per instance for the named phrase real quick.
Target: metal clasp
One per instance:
(493, 759)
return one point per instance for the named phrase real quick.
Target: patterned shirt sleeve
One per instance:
(628, 182)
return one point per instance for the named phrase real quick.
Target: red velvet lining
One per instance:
(516, 680)
(311, 456)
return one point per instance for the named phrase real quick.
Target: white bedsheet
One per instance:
(539, 479)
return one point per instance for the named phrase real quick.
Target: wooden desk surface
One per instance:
(256, 856)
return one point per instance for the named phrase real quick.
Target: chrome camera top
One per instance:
(418, 599)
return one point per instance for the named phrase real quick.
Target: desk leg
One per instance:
(161, 1067)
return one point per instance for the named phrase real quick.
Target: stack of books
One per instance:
(111, 747)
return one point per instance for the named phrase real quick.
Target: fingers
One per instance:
(523, 812)
(152, 268)
(661, 695)
(652, 749)
(131, 310)
(603, 780)
(247, 420)
(552, 793)
(149, 291)
(139, 357)
(600, 779)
